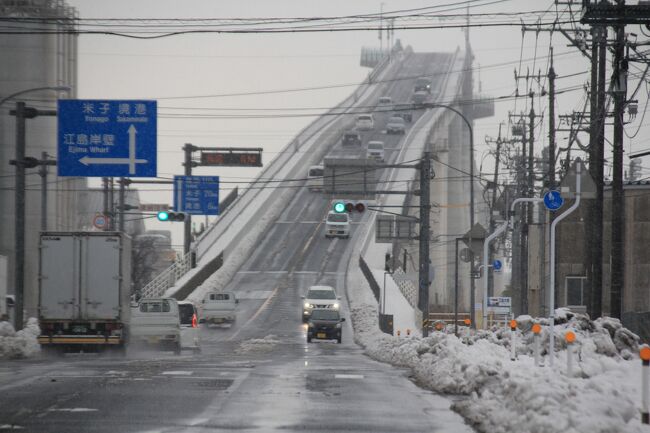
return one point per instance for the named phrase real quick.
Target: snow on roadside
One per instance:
(516, 396)
(19, 344)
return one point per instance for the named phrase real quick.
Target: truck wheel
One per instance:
(177, 349)
(339, 340)
(308, 339)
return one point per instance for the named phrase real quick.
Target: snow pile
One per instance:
(265, 344)
(19, 344)
(505, 395)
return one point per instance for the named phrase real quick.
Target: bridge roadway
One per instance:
(258, 375)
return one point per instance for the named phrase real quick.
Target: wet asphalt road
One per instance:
(258, 375)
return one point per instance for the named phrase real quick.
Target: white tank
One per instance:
(31, 60)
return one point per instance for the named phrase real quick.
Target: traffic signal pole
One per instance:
(187, 229)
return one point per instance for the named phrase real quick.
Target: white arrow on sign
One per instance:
(131, 160)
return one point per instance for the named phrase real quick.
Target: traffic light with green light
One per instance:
(170, 216)
(346, 206)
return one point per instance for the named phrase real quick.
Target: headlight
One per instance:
(307, 305)
(338, 326)
(335, 306)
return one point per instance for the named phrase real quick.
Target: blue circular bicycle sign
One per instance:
(497, 265)
(553, 200)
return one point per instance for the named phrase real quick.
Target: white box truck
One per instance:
(84, 290)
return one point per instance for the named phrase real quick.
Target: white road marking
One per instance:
(332, 245)
(177, 373)
(11, 427)
(73, 409)
(348, 376)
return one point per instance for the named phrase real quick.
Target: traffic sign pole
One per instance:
(486, 246)
(551, 350)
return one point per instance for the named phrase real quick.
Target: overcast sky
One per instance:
(114, 67)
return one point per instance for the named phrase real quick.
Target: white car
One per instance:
(220, 307)
(315, 177)
(319, 297)
(156, 322)
(365, 122)
(375, 150)
(337, 225)
(395, 125)
(189, 321)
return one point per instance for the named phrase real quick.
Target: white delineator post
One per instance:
(513, 339)
(570, 338)
(644, 354)
(551, 349)
(536, 330)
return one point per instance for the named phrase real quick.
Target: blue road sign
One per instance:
(497, 265)
(107, 138)
(553, 200)
(196, 195)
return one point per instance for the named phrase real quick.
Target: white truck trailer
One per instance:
(84, 290)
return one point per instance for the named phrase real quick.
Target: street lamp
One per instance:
(21, 162)
(471, 194)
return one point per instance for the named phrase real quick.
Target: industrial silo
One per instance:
(38, 49)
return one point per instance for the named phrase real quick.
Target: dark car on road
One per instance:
(325, 324)
(351, 138)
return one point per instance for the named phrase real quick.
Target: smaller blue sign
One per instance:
(553, 200)
(196, 195)
(497, 265)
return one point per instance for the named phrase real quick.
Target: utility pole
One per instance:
(22, 112)
(425, 208)
(618, 203)
(551, 124)
(497, 158)
(121, 205)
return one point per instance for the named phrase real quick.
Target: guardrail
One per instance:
(374, 286)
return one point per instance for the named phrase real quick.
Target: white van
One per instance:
(375, 150)
(337, 225)
(365, 122)
(315, 177)
(156, 322)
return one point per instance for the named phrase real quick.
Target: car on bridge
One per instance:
(325, 324)
(422, 84)
(337, 225)
(419, 97)
(395, 125)
(315, 177)
(351, 138)
(319, 297)
(403, 111)
(375, 150)
(385, 100)
(365, 122)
